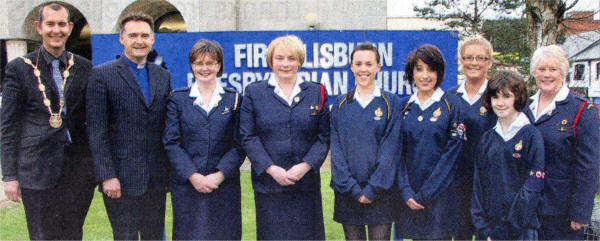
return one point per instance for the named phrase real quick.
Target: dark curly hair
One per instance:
(502, 82)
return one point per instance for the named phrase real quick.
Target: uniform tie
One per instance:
(58, 79)
(57, 76)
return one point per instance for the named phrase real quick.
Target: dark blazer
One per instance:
(273, 132)
(33, 152)
(572, 161)
(125, 133)
(204, 143)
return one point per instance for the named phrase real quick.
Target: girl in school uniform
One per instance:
(432, 137)
(364, 151)
(284, 126)
(509, 166)
(201, 142)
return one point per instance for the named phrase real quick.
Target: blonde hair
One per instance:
(291, 42)
(475, 40)
(550, 51)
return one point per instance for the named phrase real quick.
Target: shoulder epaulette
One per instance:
(236, 100)
(181, 89)
(405, 107)
(229, 89)
(387, 103)
(448, 104)
(342, 102)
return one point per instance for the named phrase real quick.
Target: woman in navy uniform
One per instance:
(202, 145)
(509, 166)
(284, 126)
(476, 59)
(364, 151)
(569, 125)
(432, 137)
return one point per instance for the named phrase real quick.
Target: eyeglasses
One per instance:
(207, 64)
(478, 58)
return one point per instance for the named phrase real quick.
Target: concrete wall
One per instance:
(207, 15)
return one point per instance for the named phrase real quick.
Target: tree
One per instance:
(544, 19)
(468, 16)
(510, 44)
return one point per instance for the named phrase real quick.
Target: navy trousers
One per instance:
(559, 228)
(57, 213)
(137, 217)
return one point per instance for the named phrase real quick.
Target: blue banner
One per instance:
(327, 55)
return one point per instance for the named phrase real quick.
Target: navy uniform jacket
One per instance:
(508, 184)
(274, 132)
(125, 133)
(33, 152)
(429, 160)
(204, 143)
(364, 145)
(197, 142)
(478, 120)
(571, 161)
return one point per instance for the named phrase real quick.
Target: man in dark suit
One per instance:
(127, 104)
(46, 160)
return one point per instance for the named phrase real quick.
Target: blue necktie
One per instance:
(57, 76)
(58, 79)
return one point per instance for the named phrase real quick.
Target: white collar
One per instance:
(437, 96)
(364, 102)
(295, 91)
(560, 96)
(462, 88)
(214, 98)
(513, 128)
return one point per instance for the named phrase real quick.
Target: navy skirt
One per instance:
(347, 210)
(207, 216)
(290, 215)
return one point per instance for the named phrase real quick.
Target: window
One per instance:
(579, 70)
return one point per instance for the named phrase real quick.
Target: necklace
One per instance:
(55, 118)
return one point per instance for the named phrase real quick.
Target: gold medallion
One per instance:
(297, 99)
(519, 145)
(564, 122)
(482, 111)
(55, 120)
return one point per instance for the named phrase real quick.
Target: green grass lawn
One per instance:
(97, 227)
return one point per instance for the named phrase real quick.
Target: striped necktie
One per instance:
(58, 79)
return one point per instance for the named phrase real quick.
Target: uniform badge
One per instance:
(482, 111)
(519, 145)
(378, 113)
(516, 155)
(420, 118)
(564, 122)
(437, 113)
(312, 107)
(549, 113)
(225, 111)
(461, 130)
(297, 99)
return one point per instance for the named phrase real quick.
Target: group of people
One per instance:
(479, 159)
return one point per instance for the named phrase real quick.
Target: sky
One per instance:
(404, 8)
